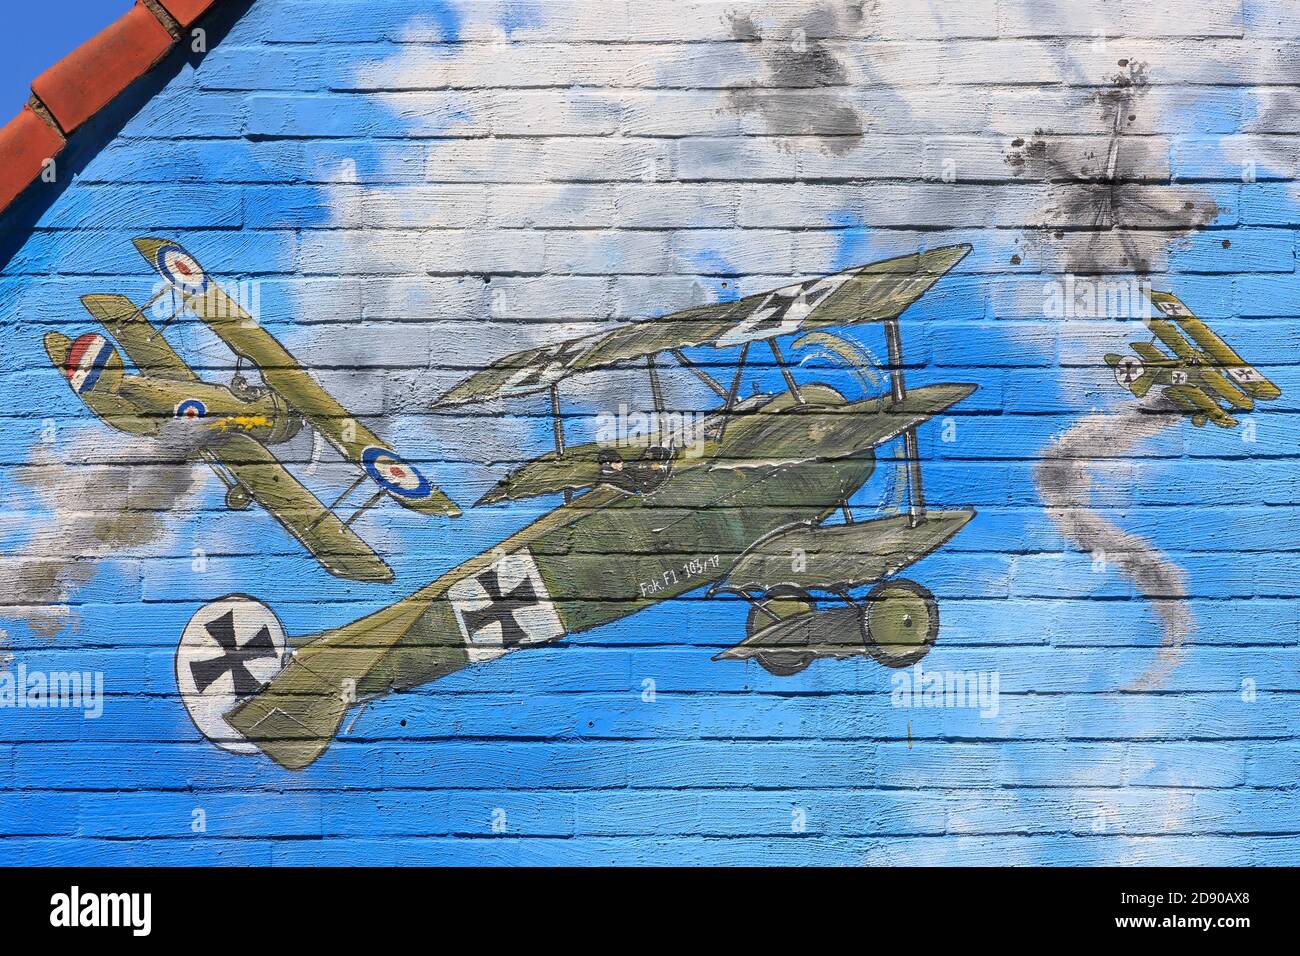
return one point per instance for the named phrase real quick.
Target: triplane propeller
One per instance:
(776, 471)
(234, 425)
(1203, 376)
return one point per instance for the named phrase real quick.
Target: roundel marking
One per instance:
(1128, 370)
(86, 360)
(394, 473)
(229, 650)
(181, 270)
(191, 409)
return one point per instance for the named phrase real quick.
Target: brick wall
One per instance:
(409, 195)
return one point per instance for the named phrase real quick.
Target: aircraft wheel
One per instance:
(784, 601)
(238, 498)
(900, 622)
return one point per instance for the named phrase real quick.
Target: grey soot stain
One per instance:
(1112, 200)
(801, 63)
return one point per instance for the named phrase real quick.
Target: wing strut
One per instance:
(731, 395)
(339, 500)
(911, 449)
(702, 375)
(558, 424)
(657, 392)
(162, 327)
(370, 503)
(785, 372)
(140, 309)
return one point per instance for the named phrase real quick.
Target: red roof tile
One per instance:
(91, 76)
(186, 11)
(83, 83)
(26, 142)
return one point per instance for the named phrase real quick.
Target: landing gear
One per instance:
(900, 622)
(781, 603)
(238, 498)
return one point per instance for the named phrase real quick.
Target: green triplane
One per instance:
(747, 517)
(1204, 376)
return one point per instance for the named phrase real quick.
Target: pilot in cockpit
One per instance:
(639, 477)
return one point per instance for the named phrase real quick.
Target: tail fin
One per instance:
(245, 691)
(90, 363)
(93, 370)
(295, 716)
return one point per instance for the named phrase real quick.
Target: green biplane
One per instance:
(1202, 376)
(231, 426)
(775, 471)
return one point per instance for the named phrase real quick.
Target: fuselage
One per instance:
(257, 412)
(606, 555)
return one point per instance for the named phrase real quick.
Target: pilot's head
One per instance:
(611, 462)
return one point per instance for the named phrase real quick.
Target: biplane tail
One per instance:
(93, 370)
(89, 363)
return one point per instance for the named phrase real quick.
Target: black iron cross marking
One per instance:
(502, 609)
(544, 364)
(236, 658)
(779, 304)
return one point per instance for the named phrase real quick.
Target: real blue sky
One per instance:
(35, 36)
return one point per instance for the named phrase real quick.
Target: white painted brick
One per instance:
(606, 252)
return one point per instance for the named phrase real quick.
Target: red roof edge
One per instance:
(91, 76)
(186, 11)
(72, 91)
(27, 143)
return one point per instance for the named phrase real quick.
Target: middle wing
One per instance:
(336, 546)
(756, 441)
(870, 293)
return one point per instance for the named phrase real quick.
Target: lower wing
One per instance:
(336, 546)
(1198, 403)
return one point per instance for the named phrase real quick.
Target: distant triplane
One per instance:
(236, 422)
(633, 528)
(1204, 376)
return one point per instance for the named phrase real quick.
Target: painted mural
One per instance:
(823, 433)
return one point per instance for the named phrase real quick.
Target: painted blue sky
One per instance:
(36, 36)
(348, 169)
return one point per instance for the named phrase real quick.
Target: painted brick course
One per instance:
(413, 194)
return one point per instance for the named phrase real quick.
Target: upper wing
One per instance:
(320, 531)
(870, 293)
(1243, 376)
(142, 343)
(282, 372)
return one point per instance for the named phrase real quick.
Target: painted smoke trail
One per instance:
(1064, 478)
(114, 506)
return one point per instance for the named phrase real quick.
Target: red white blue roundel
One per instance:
(191, 408)
(393, 473)
(180, 269)
(86, 360)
